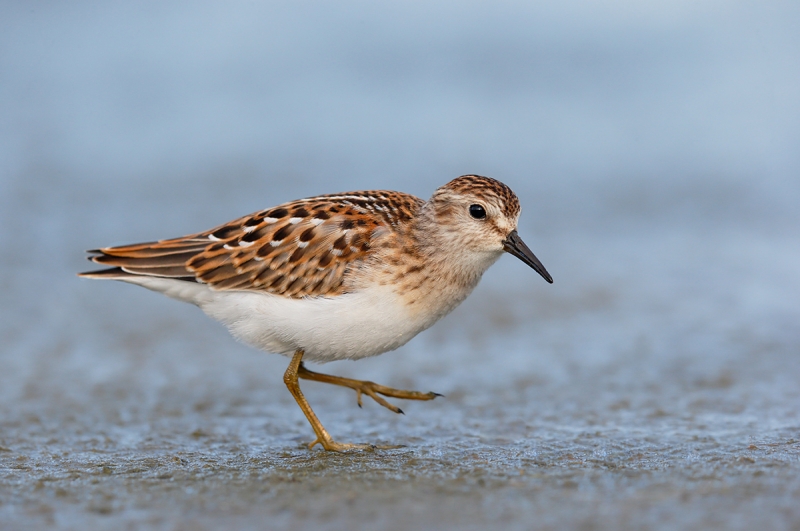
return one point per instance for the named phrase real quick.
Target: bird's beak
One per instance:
(513, 244)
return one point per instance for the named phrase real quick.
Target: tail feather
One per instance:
(178, 259)
(167, 259)
(112, 273)
(154, 249)
(117, 273)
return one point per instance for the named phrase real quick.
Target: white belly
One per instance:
(350, 326)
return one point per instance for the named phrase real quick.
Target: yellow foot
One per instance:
(363, 387)
(333, 446)
(297, 370)
(372, 390)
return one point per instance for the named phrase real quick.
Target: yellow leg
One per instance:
(371, 389)
(323, 438)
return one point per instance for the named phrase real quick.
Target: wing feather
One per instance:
(298, 249)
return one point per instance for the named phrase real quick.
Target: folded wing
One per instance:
(298, 249)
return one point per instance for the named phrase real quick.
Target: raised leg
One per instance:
(371, 389)
(323, 437)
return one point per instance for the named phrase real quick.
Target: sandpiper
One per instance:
(339, 276)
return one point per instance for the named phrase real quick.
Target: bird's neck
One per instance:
(445, 254)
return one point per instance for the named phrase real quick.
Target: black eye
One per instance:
(477, 212)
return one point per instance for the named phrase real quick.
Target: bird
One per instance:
(332, 277)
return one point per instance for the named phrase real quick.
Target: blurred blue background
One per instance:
(654, 146)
